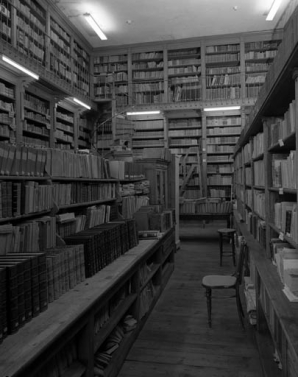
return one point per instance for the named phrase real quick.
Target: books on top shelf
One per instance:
(37, 162)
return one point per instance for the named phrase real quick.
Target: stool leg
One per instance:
(239, 306)
(220, 249)
(209, 304)
(233, 249)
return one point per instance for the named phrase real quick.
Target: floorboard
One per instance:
(176, 340)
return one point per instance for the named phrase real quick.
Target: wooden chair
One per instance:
(211, 282)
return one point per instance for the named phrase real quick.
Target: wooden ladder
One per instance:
(186, 177)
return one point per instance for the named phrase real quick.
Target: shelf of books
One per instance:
(65, 129)
(222, 135)
(148, 77)
(31, 32)
(223, 78)
(258, 57)
(102, 316)
(111, 76)
(60, 51)
(185, 133)
(81, 68)
(266, 214)
(184, 75)
(6, 21)
(37, 127)
(7, 111)
(149, 132)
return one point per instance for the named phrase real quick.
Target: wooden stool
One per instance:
(228, 235)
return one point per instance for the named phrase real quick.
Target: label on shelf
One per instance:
(48, 126)
(281, 143)
(281, 236)
(281, 191)
(11, 114)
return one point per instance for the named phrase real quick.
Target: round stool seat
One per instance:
(226, 230)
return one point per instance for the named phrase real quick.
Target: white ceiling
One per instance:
(139, 21)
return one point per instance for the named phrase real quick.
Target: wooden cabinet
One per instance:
(155, 170)
(76, 334)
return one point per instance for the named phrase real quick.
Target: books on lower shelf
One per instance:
(284, 170)
(285, 218)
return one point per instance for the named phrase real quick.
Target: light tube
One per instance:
(143, 112)
(221, 108)
(20, 67)
(81, 103)
(274, 8)
(95, 26)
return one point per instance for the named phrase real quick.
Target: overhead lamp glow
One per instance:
(95, 26)
(221, 108)
(81, 103)
(273, 10)
(20, 67)
(143, 112)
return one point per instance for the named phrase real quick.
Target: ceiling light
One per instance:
(20, 67)
(81, 103)
(95, 26)
(143, 112)
(221, 108)
(274, 8)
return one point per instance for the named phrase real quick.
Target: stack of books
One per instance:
(23, 289)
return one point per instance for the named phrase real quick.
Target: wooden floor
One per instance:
(176, 340)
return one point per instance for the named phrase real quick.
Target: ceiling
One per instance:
(140, 21)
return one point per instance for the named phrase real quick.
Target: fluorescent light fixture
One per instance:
(274, 8)
(81, 103)
(143, 112)
(20, 67)
(95, 26)
(221, 108)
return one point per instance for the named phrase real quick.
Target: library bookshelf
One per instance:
(266, 196)
(72, 335)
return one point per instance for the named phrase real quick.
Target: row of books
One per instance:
(223, 130)
(23, 290)
(285, 218)
(105, 243)
(259, 203)
(281, 127)
(285, 257)
(258, 144)
(103, 356)
(218, 179)
(125, 170)
(82, 192)
(21, 198)
(259, 173)
(38, 162)
(219, 193)
(65, 269)
(256, 226)
(284, 170)
(59, 364)
(214, 207)
(35, 235)
(131, 204)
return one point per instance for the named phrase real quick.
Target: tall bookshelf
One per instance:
(266, 189)
(185, 135)
(81, 68)
(223, 79)
(184, 74)
(258, 57)
(36, 128)
(149, 132)
(111, 76)
(31, 32)
(148, 77)
(7, 110)
(222, 132)
(65, 127)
